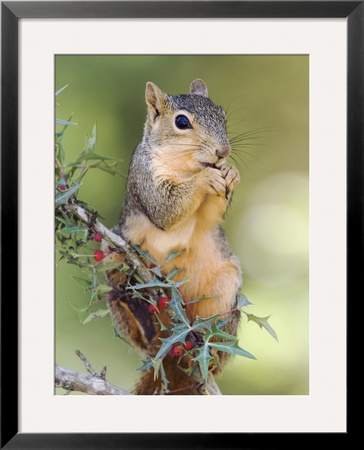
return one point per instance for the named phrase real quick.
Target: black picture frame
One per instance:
(11, 12)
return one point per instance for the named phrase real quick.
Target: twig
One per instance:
(211, 386)
(90, 370)
(95, 385)
(87, 217)
(79, 382)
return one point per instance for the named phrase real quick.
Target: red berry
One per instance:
(163, 302)
(176, 351)
(98, 255)
(188, 345)
(152, 308)
(97, 237)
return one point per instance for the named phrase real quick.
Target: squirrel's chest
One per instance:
(160, 243)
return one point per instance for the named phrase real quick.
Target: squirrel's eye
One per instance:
(182, 122)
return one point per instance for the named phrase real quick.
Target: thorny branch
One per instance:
(119, 242)
(95, 384)
(89, 384)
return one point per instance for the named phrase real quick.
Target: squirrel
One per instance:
(179, 187)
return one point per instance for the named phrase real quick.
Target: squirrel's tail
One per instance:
(179, 382)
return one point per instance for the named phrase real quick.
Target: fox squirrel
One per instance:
(178, 189)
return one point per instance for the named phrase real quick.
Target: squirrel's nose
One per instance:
(223, 151)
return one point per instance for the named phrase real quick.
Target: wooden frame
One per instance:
(11, 13)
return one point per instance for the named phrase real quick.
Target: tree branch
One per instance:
(95, 384)
(71, 380)
(87, 218)
(211, 386)
(89, 384)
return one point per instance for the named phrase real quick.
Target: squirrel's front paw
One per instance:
(215, 181)
(231, 176)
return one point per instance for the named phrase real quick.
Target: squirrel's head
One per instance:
(187, 128)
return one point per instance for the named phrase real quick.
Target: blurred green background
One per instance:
(267, 98)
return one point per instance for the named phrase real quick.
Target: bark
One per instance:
(89, 384)
(97, 385)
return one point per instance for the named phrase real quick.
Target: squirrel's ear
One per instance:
(199, 87)
(155, 99)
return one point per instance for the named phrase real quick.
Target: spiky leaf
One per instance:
(203, 324)
(231, 347)
(62, 197)
(96, 315)
(83, 282)
(216, 332)
(203, 358)
(153, 284)
(243, 301)
(171, 256)
(145, 255)
(62, 89)
(179, 335)
(177, 309)
(148, 364)
(91, 141)
(263, 323)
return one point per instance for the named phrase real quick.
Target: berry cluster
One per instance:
(98, 254)
(177, 350)
(162, 303)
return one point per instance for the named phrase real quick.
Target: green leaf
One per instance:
(60, 154)
(65, 122)
(201, 298)
(179, 335)
(145, 255)
(158, 367)
(173, 273)
(103, 289)
(96, 315)
(172, 255)
(203, 358)
(157, 271)
(222, 322)
(83, 282)
(62, 197)
(161, 324)
(148, 364)
(92, 156)
(159, 370)
(231, 347)
(153, 284)
(71, 230)
(216, 332)
(79, 309)
(263, 323)
(109, 168)
(91, 141)
(62, 89)
(137, 294)
(119, 336)
(201, 324)
(177, 309)
(243, 301)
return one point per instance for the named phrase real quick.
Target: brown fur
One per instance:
(179, 187)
